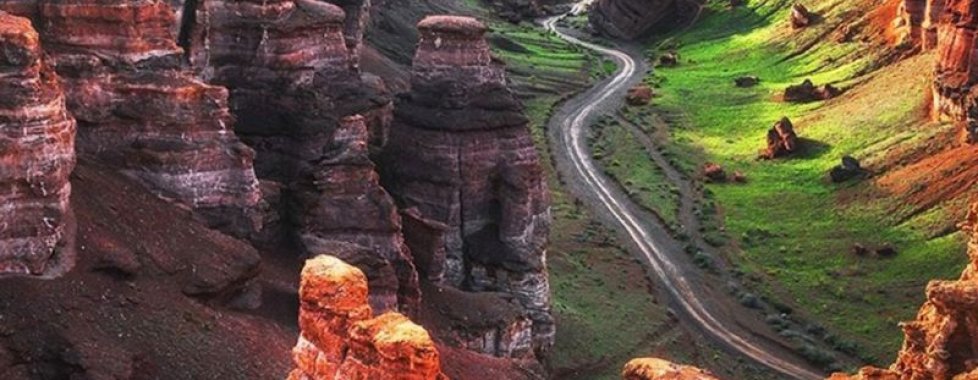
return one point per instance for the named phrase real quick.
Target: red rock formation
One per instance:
(639, 95)
(918, 21)
(942, 343)
(297, 93)
(955, 72)
(340, 340)
(658, 369)
(630, 19)
(138, 109)
(461, 154)
(37, 154)
(781, 140)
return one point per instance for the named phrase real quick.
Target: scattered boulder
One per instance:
(800, 16)
(713, 172)
(781, 140)
(886, 251)
(747, 81)
(859, 250)
(639, 95)
(808, 92)
(339, 337)
(739, 177)
(849, 168)
(670, 59)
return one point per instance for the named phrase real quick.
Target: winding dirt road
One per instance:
(693, 299)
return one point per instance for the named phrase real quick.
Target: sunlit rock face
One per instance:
(301, 103)
(658, 369)
(139, 110)
(37, 154)
(955, 73)
(461, 154)
(630, 19)
(942, 343)
(340, 339)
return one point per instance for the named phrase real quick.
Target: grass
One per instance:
(626, 161)
(794, 229)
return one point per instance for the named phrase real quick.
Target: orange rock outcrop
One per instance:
(341, 340)
(658, 369)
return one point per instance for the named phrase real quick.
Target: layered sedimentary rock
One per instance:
(658, 369)
(344, 202)
(37, 154)
(630, 19)
(955, 73)
(942, 343)
(918, 21)
(291, 67)
(461, 154)
(138, 109)
(340, 339)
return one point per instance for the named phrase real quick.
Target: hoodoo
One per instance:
(37, 154)
(341, 340)
(461, 154)
(311, 135)
(140, 110)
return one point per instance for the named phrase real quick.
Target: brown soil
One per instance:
(124, 312)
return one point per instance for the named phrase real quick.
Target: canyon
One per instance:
(254, 118)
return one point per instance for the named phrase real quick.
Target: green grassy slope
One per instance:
(793, 230)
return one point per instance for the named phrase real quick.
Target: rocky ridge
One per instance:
(461, 154)
(37, 154)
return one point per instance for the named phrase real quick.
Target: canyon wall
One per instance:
(140, 110)
(461, 154)
(304, 105)
(340, 338)
(37, 154)
(630, 19)
(917, 22)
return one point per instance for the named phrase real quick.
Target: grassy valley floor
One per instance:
(789, 231)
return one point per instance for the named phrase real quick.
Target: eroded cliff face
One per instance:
(955, 72)
(340, 338)
(140, 110)
(37, 154)
(917, 22)
(630, 19)
(291, 67)
(461, 154)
